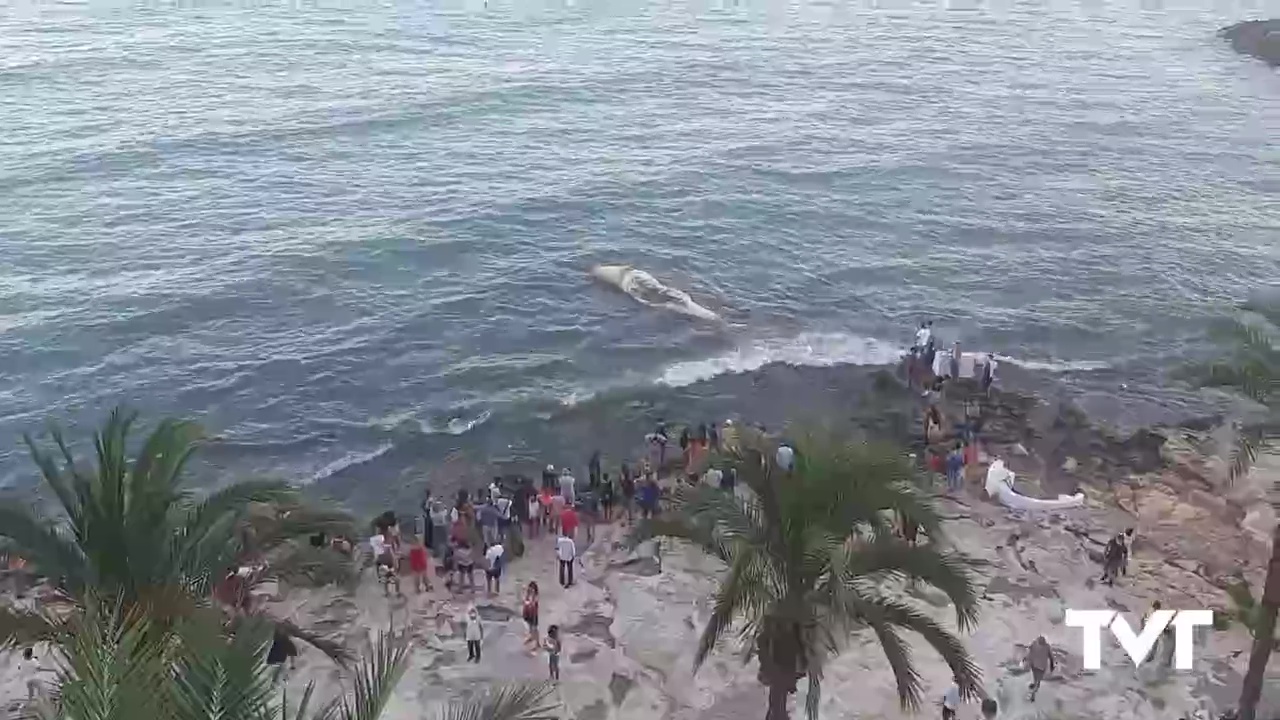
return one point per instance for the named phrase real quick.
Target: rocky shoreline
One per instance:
(1256, 38)
(629, 624)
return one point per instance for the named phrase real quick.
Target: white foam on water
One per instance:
(807, 349)
(348, 460)
(826, 350)
(1055, 366)
(459, 426)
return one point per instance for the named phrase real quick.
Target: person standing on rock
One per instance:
(593, 470)
(558, 505)
(495, 558)
(474, 634)
(529, 612)
(566, 553)
(955, 468)
(568, 486)
(951, 702)
(569, 522)
(606, 498)
(553, 652)
(1115, 558)
(418, 566)
(1040, 660)
(628, 491)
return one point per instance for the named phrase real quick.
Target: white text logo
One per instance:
(1138, 645)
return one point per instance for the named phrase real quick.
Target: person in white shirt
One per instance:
(378, 544)
(493, 574)
(785, 457)
(713, 477)
(951, 702)
(566, 553)
(567, 486)
(474, 633)
(923, 336)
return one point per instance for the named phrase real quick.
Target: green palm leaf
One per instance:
(811, 559)
(527, 701)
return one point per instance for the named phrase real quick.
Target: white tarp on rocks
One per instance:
(1000, 486)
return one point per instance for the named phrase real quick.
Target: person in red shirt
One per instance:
(569, 521)
(418, 565)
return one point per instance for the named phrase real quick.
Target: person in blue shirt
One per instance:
(955, 468)
(649, 498)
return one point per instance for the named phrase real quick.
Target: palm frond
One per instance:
(375, 678)
(113, 666)
(336, 651)
(1247, 442)
(519, 701)
(892, 559)
(20, 627)
(883, 610)
(898, 653)
(220, 677)
(46, 547)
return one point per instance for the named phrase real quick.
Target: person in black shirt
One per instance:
(593, 470)
(628, 490)
(606, 498)
(282, 648)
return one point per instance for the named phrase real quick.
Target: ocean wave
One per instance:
(1053, 366)
(408, 422)
(808, 349)
(349, 460)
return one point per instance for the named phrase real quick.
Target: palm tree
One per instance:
(1252, 368)
(811, 557)
(126, 527)
(117, 663)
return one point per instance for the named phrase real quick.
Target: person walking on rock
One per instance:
(1040, 660)
(474, 634)
(566, 553)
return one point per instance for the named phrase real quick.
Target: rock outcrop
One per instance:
(1257, 38)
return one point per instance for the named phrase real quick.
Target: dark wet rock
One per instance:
(1256, 38)
(619, 686)
(495, 613)
(1002, 585)
(598, 710)
(594, 625)
(583, 655)
(643, 566)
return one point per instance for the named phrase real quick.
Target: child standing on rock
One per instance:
(553, 652)
(529, 611)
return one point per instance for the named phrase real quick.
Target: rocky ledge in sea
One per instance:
(631, 622)
(1258, 38)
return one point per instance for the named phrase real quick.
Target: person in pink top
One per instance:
(569, 522)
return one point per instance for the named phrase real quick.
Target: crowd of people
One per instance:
(487, 526)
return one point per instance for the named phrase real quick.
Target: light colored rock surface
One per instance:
(630, 630)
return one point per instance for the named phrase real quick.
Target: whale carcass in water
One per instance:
(648, 290)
